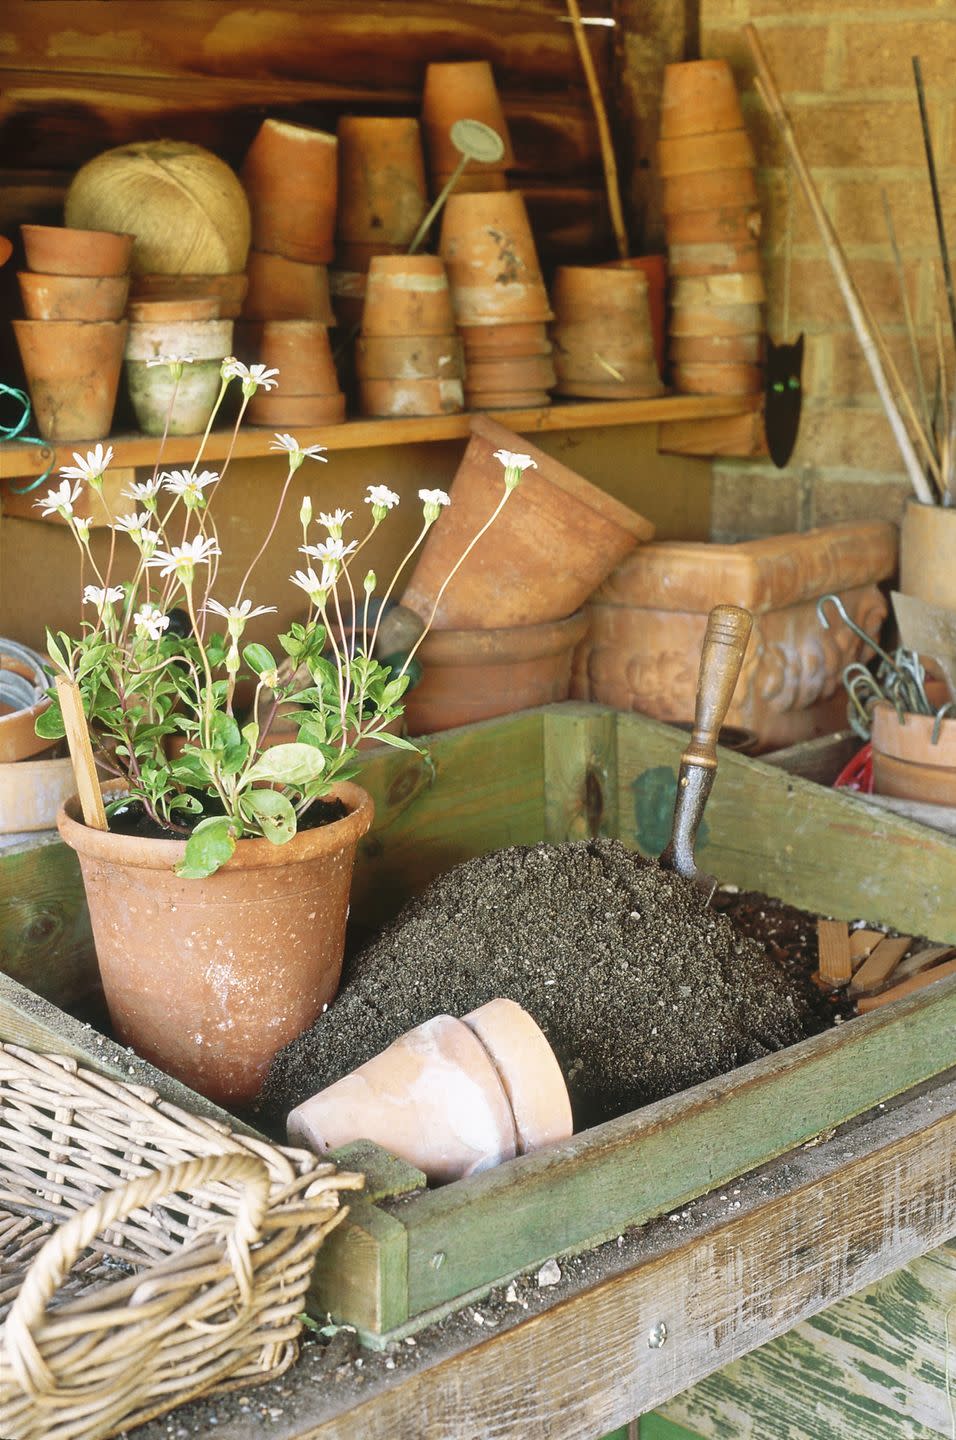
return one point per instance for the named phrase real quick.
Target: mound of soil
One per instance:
(641, 987)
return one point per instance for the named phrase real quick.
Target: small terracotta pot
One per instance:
(410, 397)
(479, 182)
(283, 289)
(418, 357)
(713, 191)
(717, 379)
(715, 258)
(383, 195)
(298, 349)
(177, 407)
(31, 793)
(905, 761)
(60, 250)
(488, 247)
(433, 1098)
(927, 548)
(72, 369)
(497, 341)
(201, 339)
(732, 289)
(717, 350)
(407, 295)
(274, 410)
(506, 399)
(654, 267)
(472, 675)
(583, 354)
(22, 702)
(726, 225)
(461, 90)
(716, 320)
(210, 978)
(579, 292)
(692, 154)
(162, 312)
(528, 1070)
(230, 289)
(73, 297)
(290, 174)
(514, 372)
(556, 539)
(699, 96)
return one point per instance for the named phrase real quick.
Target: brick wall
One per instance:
(846, 78)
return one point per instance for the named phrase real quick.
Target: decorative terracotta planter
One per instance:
(410, 397)
(276, 410)
(713, 191)
(907, 764)
(298, 349)
(927, 551)
(230, 289)
(59, 250)
(417, 357)
(647, 624)
(693, 154)
(283, 289)
(493, 269)
(407, 295)
(73, 297)
(654, 268)
(699, 96)
(72, 369)
(717, 258)
(383, 196)
(210, 978)
(717, 379)
(174, 310)
(471, 675)
(557, 538)
(461, 90)
(291, 177)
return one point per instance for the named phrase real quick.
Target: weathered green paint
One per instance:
(655, 1427)
(654, 793)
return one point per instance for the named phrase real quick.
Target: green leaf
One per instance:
(208, 848)
(56, 653)
(292, 764)
(276, 817)
(250, 733)
(49, 725)
(398, 742)
(225, 732)
(258, 658)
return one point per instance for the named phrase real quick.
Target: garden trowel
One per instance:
(725, 640)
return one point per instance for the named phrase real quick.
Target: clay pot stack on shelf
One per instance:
(505, 628)
(71, 343)
(501, 304)
(603, 341)
(309, 392)
(409, 357)
(463, 90)
(164, 402)
(710, 212)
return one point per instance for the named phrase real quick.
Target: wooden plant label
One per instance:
(833, 946)
(861, 943)
(879, 966)
(917, 982)
(922, 960)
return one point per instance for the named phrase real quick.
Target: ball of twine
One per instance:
(185, 206)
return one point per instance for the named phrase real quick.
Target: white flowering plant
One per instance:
(161, 659)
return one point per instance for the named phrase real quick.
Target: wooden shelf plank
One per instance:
(19, 461)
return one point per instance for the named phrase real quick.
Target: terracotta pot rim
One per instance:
(26, 324)
(251, 854)
(508, 645)
(901, 742)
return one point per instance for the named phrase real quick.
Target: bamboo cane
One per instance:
(934, 187)
(770, 95)
(604, 131)
(907, 313)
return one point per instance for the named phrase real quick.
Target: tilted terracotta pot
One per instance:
(407, 295)
(927, 550)
(410, 397)
(493, 267)
(461, 90)
(471, 675)
(290, 174)
(905, 761)
(210, 978)
(415, 357)
(692, 154)
(529, 1072)
(284, 289)
(73, 297)
(62, 250)
(382, 191)
(699, 96)
(710, 191)
(72, 369)
(554, 542)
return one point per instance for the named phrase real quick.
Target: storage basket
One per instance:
(147, 1256)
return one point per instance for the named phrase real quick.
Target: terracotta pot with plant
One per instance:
(218, 877)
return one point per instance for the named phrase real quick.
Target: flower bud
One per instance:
(232, 660)
(370, 582)
(305, 511)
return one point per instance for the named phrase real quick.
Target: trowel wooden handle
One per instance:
(728, 630)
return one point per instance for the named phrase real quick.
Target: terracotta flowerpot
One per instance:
(479, 182)
(654, 267)
(731, 289)
(417, 357)
(31, 793)
(283, 289)
(717, 350)
(201, 339)
(72, 369)
(410, 397)
(581, 292)
(383, 196)
(497, 341)
(433, 1098)
(73, 297)
(177, 407)
(717, 379)
(290, 174)
(716, 258)
(635, 389)
(471, 675)
(555, 541)
(905, 761)
(298, 349)
(584, 354)
(23, 683)
(506, 399)
(210, 978)
(713, 191)
(407, 295)
(60, 250)
(515, 372)
(275, 410)
(174, 310)
(726, 224)
(701, 320)
(927, 548)
(528, 1070)
(461, 90)
(699, 96)
(230, 289)
(493, 269)
(692, 154)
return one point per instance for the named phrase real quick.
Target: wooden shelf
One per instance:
(19, 461)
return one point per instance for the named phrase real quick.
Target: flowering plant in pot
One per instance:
(219, 891)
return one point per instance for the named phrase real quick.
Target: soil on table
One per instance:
(642, 988)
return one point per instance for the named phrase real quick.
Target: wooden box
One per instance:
(407, 1255)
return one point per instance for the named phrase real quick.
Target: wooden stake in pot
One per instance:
(722, 655)
(81, 753)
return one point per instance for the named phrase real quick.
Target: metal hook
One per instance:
(851, 624)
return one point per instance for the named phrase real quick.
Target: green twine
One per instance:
(15, 432)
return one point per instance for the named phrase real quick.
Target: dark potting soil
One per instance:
(132, 819)
(641, 987)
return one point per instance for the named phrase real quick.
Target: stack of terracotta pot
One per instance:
(409, 358)
(463, 90)
(501, 304)
(603, 339)
(710, 199)
(308, 392)
(71, 343)
(505, 628)
(164, 402)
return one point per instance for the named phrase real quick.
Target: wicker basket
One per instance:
(147, 1256)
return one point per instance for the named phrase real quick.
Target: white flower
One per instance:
(331, 552)
(512, 460)
(170, 360)
(82, 528)
(296, 453)
(147, 540)
(334, 522)
(380, 497)
(433, 500)
(145, 491)
(253, 377)
(150, 621)
(181, 559)
(187, 486)
(91, 468)
(237, 615)
(61, 500)
(132, 524)
(94, 595)
(308, 581)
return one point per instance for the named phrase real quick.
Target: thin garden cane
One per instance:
(770, 95)
(934, 186)
(907, 315)
(608, 158)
